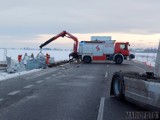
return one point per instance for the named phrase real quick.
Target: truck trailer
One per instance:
(140, 88)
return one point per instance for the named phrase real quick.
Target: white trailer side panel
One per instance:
(98, 49)
(87, 49)
(109, 47)
(143, 91)
(80, 50)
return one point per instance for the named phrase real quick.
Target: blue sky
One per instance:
(30, 23)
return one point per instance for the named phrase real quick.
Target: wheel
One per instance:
(118, 59)
(118, 86)
(87, 59)
(131, 56)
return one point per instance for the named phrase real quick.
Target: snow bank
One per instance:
(13, 53)
(146, 58)
(4, 75)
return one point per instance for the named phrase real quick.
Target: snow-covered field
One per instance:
(13, 53)
(146, 58)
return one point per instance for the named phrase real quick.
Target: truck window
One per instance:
(122, 46)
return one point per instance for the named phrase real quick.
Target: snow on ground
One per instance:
(13, 53)
(146, 58)
(4, 75)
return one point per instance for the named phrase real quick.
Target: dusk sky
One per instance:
(30, 23)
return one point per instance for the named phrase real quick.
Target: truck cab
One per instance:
(122, 47)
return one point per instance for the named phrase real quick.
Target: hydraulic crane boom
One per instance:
(62, 34)
(74, 54)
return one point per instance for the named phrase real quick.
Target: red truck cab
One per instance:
(122, 47)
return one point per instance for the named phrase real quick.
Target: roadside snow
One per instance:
(146, 58)
(13, 53)
(5, 76)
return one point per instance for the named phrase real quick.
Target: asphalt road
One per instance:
(74, 91)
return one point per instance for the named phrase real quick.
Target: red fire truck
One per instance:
(101, 48)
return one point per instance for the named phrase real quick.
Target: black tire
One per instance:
(131, 56)
(118, 86)
(118, 59)
(87, 59)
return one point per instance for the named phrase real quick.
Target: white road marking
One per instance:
(47, 78)
(14, 92)
(101, 109)
(28, 86)
(30, 97)
(107, 67)
(40, 81)
(54, 75)
(106, 75)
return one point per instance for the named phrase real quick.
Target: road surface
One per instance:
(74, 91)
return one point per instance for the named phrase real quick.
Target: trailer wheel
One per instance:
(87, 59)
(118, 59)
(118, 86)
